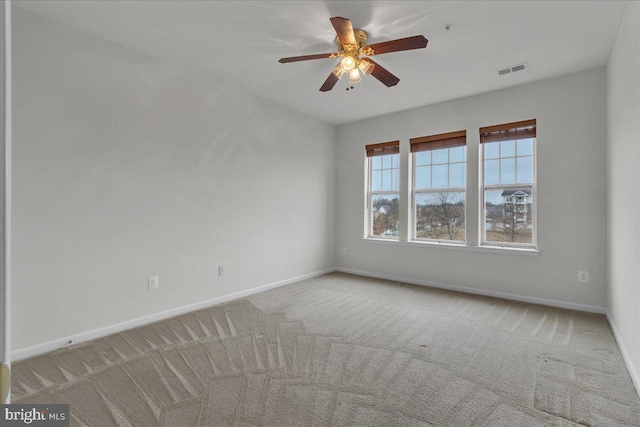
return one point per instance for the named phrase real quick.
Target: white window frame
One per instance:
(534, 201)
(370, 194)
(415, 192)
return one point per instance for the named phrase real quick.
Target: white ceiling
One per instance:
(240, 42)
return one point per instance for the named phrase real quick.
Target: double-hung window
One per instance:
(509, 184)
(383, 195)
(439, 183)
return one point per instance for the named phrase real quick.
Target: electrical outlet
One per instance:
(154, 282)
(583, 276)
(220, 270)
(344, 250)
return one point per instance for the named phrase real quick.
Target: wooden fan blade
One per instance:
(344, 30)
(382, 74)
(305, 57)
(331, 80)
(415, 42)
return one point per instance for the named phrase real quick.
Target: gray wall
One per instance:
(571, 192)
(125, 167)
(623, 178)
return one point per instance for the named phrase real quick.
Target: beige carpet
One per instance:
(346, 351)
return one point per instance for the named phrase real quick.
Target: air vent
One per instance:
(512, 69)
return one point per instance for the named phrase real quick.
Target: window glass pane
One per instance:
(440, 156)
(440, 176)
(507, 171)
(394, 160)
(376, 181)
(386, 161)
(395, 185)
(457, 175)
(508, 149)
(440, 216)
(491, 172)
(508, 221)
(423, 158)
(386, 179)
(376, 162)
(525, 147)
(423, 177)
(385, 215)
(491, 150)
(525, 169)
(457, 154)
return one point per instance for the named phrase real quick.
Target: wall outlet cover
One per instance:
(153, 282)
(583, 276)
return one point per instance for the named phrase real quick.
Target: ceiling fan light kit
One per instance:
(354, 50)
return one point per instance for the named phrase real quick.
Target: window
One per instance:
(508, 183)
(383, 198)
(439, 182)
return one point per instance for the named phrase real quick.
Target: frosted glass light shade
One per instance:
(348, 64)
(354, 76)
(366, 67)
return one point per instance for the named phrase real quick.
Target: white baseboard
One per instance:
(625, 355)
(496, 294)
(56, 344)
(133, 323)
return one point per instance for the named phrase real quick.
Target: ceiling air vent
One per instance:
(512, 69)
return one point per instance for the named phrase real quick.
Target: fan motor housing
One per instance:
(361, 39)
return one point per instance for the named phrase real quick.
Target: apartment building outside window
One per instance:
(509, 184)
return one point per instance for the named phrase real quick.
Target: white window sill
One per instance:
(504, 250)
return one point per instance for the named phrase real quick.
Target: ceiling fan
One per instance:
(354, 50)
